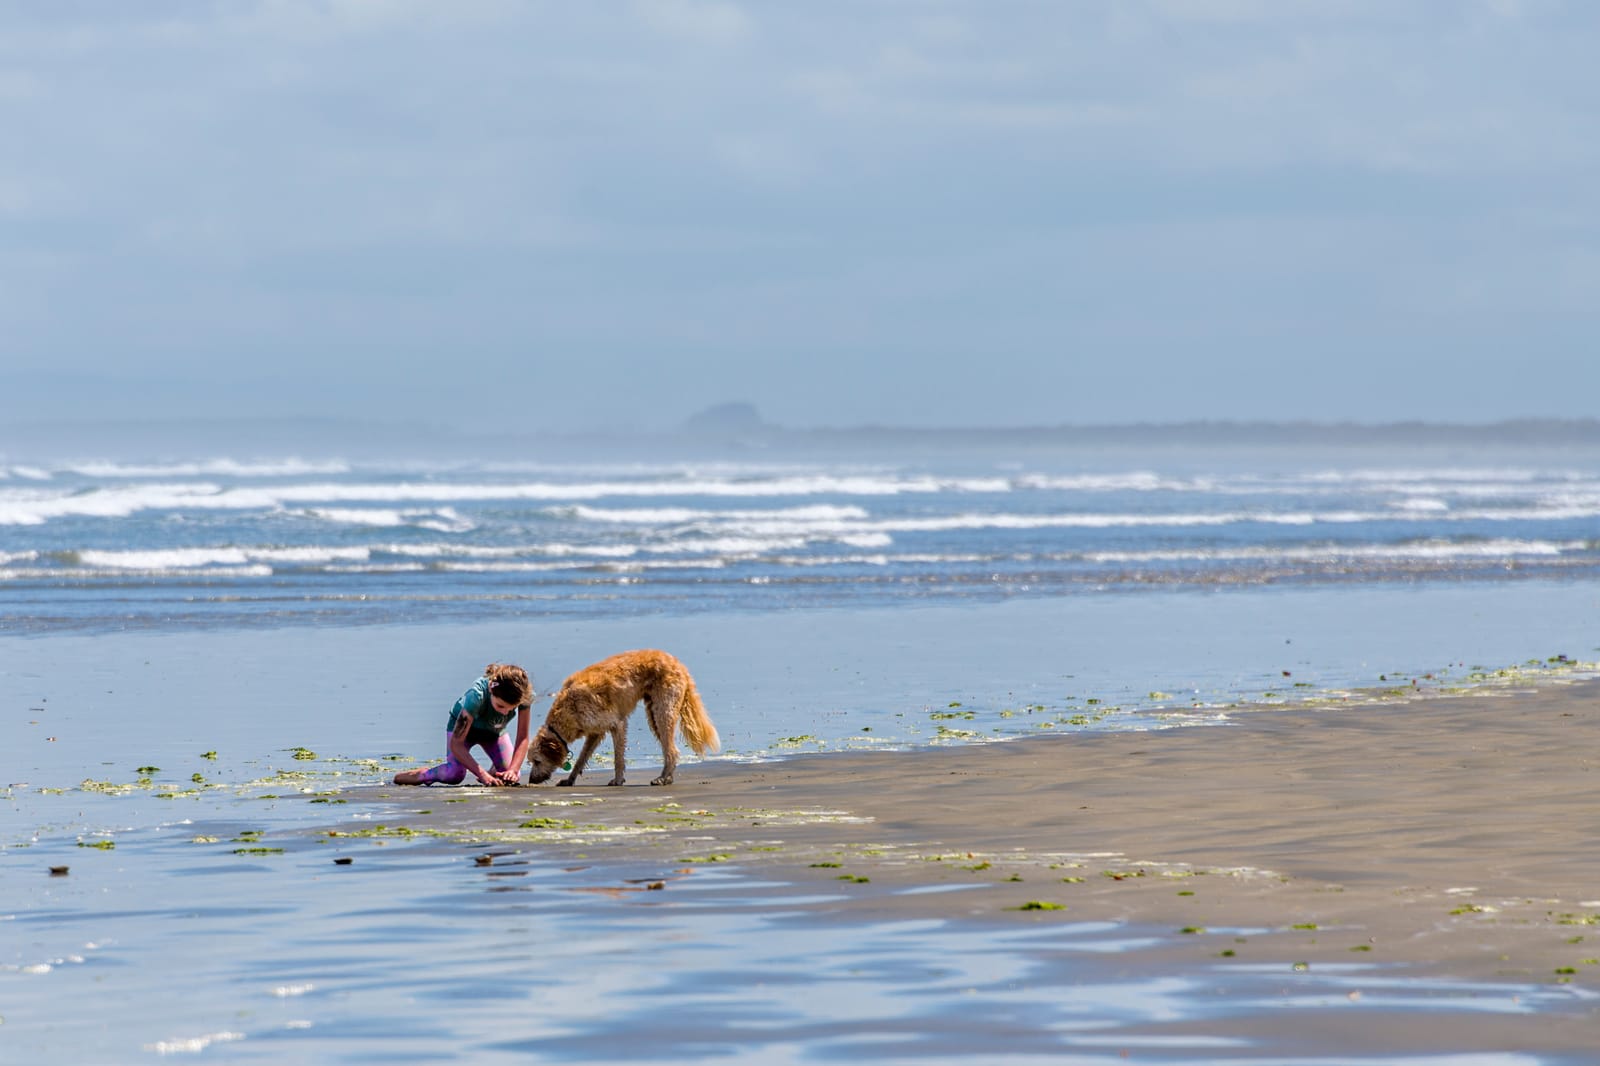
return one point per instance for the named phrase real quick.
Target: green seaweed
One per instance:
(1577, 919)
(1041, 905)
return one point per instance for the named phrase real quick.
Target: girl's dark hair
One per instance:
(509, 684)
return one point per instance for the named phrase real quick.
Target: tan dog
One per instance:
(598, 700)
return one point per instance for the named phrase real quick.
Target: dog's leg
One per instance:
(619, 744)
(589, 744)
(664, 724)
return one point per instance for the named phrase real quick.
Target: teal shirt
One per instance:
(475, 701)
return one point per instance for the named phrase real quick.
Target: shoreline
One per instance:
(1442, 837)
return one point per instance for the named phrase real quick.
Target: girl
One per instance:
(479, 719)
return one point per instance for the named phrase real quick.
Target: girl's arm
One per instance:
(511, 776)
(462, 754)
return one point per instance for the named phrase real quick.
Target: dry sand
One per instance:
(1451, 835)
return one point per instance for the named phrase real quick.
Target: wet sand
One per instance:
(1440, 837)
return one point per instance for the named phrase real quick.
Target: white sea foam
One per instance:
(33, 507)
(477, 551)
(307, 554)
(1440, 551)
(222, 520)
(197, 558)
(885, 559)
(439, 520)
(1136, 481)
(209, 468)
(1419, 504)
(164, 559)
(746, 546)
(631, 566)
(375, 517)
(123, 572)
(442, 520)
(1519, 496)
(37, 506)
(817, 513)
(1092, 520)
(1385, 476)
(193, 1044)
(774, 542)
(852, 522)
(378, 568)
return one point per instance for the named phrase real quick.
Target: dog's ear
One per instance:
(549, 748)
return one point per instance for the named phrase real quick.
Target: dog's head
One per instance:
(545, 756)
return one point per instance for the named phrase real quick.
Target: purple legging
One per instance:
(497, 746)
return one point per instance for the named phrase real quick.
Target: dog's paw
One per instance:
(567, 781)
(615, 781)
(662, 780)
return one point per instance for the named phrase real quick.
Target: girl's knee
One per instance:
(500, 752)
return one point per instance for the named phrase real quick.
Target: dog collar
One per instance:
(558, 736)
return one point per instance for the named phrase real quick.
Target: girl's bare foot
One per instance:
(408, 777)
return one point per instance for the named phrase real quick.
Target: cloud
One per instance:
(702, 21)
(524, 187)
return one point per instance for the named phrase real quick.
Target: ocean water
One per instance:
(181, 640)
(1001, 594)
(90, 546)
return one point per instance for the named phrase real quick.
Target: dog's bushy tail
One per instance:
(694, 723)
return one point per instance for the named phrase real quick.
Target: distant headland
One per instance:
(738, 429)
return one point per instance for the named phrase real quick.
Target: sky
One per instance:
(570, 216)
